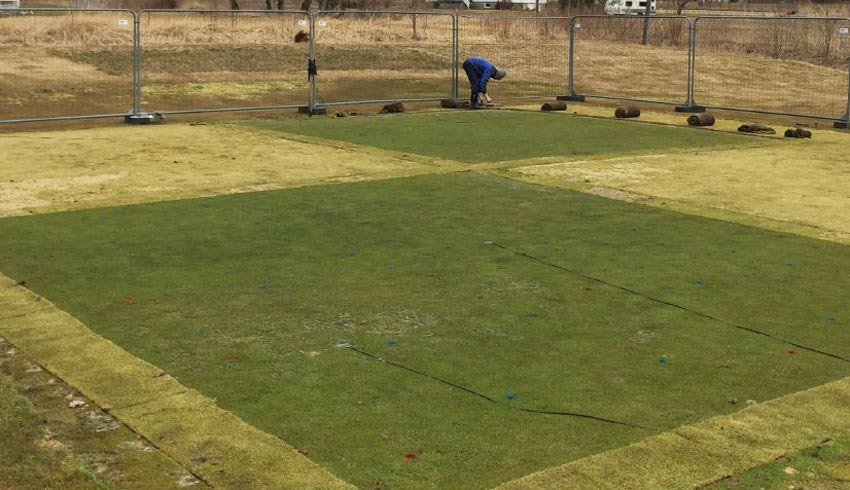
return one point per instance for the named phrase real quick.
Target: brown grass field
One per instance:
(82, 63)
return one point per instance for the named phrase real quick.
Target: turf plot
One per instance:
(495, 136)
(424, 333)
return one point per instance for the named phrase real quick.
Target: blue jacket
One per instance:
(483, 70)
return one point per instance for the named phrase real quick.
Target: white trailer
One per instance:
(629, 7)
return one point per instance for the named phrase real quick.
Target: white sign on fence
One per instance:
(323, 23)
(302, 22)
(123, 22)
(844, 30)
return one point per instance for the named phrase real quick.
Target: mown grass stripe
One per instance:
(210, 442)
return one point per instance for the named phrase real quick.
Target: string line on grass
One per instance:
(21, 315)
(482, 395)
(665, 302)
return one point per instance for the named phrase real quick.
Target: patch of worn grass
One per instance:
(495, 136)
(245, 298)
(26, 461)
(46, 444)
(825, 466)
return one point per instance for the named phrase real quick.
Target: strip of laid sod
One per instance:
(245, 298)
(47, 445)
(697, 455)
(825, 466)
(495, 136)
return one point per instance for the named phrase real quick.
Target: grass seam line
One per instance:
(665, 302)
(728, 445)
(105, 410)
(22, 315)
(482, 395)
(211, 443)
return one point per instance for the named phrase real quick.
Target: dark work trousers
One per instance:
(474, 75)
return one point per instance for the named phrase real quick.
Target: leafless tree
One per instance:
(234, 4)
(680, 6)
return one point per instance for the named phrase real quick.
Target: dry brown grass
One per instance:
(79, 169)
(772, 64)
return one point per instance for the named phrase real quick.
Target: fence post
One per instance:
(691, 105)
(312, 106)
(571, 92)
(137, 65)
(137, 115)
(455, 53)
(845, 124)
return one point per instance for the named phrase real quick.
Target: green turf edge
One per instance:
(671, 204)
(212, 443)
(708, 451)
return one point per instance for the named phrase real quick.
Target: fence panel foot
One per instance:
(317, 110)
(144, 118)
(689, 108)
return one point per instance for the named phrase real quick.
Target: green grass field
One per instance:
(504, 135)
(458, 330)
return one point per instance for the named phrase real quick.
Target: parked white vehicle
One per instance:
(628, 7)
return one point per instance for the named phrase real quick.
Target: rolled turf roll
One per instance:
(393, 108)
(756, 128)
(798, 133)
(704, 119)
(559, 105)
(627, 112)
(448, 103)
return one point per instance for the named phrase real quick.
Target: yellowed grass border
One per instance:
(212, 443)
(701, 453)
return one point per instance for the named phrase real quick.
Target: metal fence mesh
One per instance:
(62, 63)
(533, 50)
(383, 56)
(785, 65)
(193, 61)
(611, 58)
(57, 63)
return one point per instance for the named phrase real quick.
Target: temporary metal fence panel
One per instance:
(383, 56)
(787, 65)
(65, 64)
(631, 57)
(208, 60)
(533, 50)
